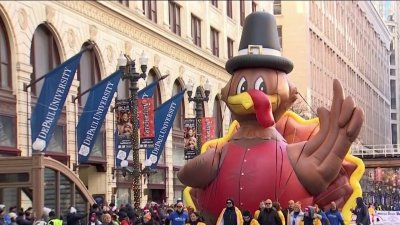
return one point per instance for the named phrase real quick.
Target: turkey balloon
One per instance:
(269, 151)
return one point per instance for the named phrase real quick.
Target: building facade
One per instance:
(190, 41)
(340, 40)
(389, 11)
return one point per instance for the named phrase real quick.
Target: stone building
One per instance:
(190, 41)
(345, 40)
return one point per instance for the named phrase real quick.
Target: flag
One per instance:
(164, 118)
(148, 91)
(51, 101)
(94, 112)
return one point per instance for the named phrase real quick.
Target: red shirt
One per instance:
(250, 175)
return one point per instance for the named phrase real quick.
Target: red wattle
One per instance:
(263, 108)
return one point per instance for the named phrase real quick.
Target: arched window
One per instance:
(8, 128)
(178, 122)
(217, 114)
(177, 130)
(45, 57)
(152, 76)
(89, 74)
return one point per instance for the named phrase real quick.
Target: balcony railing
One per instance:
(376, 151)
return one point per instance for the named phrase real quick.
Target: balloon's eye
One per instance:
(260, 85)
(242, 86)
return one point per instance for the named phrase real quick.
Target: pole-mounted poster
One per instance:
(190, 138)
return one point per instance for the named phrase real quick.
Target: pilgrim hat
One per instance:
(259, 46)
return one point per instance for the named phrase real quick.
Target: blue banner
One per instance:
(94, 112)
(164, 118)
(51, 102)
(123, 143)
(148, 91)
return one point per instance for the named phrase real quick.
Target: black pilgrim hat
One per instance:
(259, 46)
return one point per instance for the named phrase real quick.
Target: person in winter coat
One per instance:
(361, 212)
(73, 217)
(334, 216)
(230, 215)
(296, 216)
(247, 220)
(269, 216)
(324, 219)
(123, 218)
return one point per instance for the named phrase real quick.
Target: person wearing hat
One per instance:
(123, 218)
(247, 220)
(54, 220)
(230, 215)
(73, 217)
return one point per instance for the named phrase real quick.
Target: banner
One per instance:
(190, 138)
(164, 118)
(123, 140)
(51, 101)
(207, 129)
(146, 122)
(387, 218)
(123, 134)
(94, 112)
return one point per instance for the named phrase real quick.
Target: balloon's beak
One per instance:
(255, 102)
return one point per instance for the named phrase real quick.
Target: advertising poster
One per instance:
(190, 138)
(146, 122)
(207, 129)
(123, 139)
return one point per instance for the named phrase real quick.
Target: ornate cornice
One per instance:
(135, 31)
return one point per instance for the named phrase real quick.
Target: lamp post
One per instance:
(127, 65)
(198, 99)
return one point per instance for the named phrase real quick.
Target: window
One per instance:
(393, 94)
(174, 17)
(154, 75)
(393, 116)
(88, 75)
(277, 7)
(177, 129)
(392, 58)
(253, 6)
(178, 122)
(280, 35)
(8, 121)
(230, 48)
(214, 42)
(150, 10)
(242, 12)
(394, 134)
(392, 72)
(44, 56)
(5, 70)
(124, 2)
(214, 3)
(196, 30)
(229, 8)
(217, 114)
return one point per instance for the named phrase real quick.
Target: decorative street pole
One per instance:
(198, 99)
(127, 65)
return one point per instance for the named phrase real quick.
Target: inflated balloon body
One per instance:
(270, 152)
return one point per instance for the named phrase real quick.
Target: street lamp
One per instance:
(127, 65)
(198, 99)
